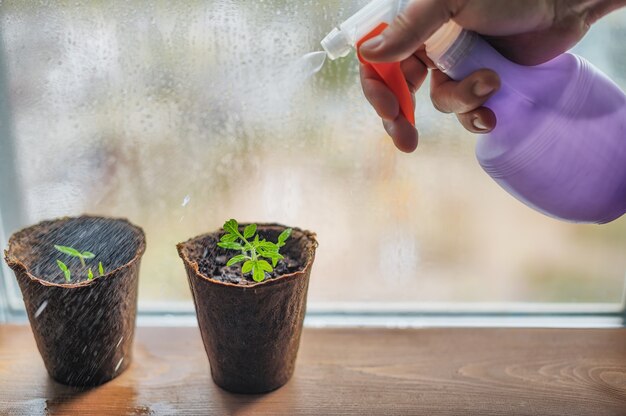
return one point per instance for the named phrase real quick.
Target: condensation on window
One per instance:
(180, 115)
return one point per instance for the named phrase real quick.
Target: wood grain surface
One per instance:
(347, 372)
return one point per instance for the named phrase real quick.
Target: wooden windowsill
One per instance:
(347, 371)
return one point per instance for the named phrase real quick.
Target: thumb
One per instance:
(409, 30)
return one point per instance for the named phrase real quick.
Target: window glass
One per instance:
(180, 115)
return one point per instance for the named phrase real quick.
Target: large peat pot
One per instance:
(251, 331)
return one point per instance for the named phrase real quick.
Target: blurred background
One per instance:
(180, 115)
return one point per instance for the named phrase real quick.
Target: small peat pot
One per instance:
(78, 278)
(250, 323)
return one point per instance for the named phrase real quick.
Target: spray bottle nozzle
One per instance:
(336, 44)
(368, 22)
(340, 40)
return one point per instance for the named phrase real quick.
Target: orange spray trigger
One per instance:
(392, 75)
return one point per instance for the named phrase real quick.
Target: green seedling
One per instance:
(82, 256)
(253, 249)
(66, 271)
(75, 253)
(100, 271)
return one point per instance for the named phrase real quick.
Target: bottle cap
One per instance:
(440, 41)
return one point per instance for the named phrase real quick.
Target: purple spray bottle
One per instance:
(559, 144)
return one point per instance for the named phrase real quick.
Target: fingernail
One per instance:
(478, 124)
(373, 43)
(480, 89)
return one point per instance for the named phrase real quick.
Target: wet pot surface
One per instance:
(83, 329)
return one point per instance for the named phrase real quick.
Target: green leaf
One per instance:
(247, 266)
(89, 274)
(65, 270)
(258, 275)
(249, 230)
(236, 259)
(69, 250)
(268, 247)
(273, 256)
(231, 227)
(87, 255)
(256, 240)
(262, 252)
(229, 238)
(265, 266)
(230, 246)
(100, 268)
(283, 237)
(269, 254)
(61, 265)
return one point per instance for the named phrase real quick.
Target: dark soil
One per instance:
(216, 268)
(212, 260)
(113, 242)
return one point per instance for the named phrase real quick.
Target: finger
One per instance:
(404, 135)
(449, 96)
(407, 32)
(420, 53)
(378, 94)
(414, 71)
(481, 120)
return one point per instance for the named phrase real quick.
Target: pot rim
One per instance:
(311, 237)
(17, 265)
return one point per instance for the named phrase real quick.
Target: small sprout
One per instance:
(65, 270)
(82, 256)
(75, 253)
(253, 251)
(283, 237)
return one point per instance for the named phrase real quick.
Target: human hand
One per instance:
(528, 32)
